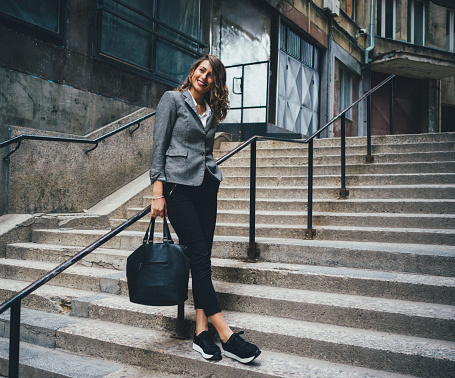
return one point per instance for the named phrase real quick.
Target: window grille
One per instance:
(297, 47)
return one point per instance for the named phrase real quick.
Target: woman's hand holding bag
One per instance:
(158, 273)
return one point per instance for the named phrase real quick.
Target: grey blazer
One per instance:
(182, 149)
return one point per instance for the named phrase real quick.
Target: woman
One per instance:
(185, 181)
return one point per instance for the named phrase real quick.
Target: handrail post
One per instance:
(309, 234)
(343, 192)
(14, 339)
(392, 93)
(253, 251)
(369, 158)
(180, 331)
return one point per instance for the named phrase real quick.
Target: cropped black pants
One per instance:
(192, 213)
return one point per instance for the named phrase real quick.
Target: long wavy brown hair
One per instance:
(217, 97)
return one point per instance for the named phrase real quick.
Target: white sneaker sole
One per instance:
(197, 348)
(242, 360)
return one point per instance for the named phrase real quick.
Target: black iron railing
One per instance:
(18, 139)
(14, 303)
(253, 252)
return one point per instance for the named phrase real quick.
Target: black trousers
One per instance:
(192, 213)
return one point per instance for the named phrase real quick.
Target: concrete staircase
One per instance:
(372, 295)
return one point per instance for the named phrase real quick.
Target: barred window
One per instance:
(297, 47)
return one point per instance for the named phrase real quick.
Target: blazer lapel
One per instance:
(189, 100)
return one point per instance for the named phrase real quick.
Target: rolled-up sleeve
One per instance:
(165, 117)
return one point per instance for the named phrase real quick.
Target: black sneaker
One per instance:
(204, 344)
(240, 349)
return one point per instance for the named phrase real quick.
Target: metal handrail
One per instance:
(18, 139)
(14, 303)
(253, 252)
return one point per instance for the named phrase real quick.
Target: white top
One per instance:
(205, 116)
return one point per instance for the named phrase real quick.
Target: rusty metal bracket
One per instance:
(369, 159)
(253, 253)
(310, 233)
(344, 193)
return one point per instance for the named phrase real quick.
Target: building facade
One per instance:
(73, 66)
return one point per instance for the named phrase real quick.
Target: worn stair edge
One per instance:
(410, 257)
(389, 315)
(393, 285)
(175, 357)
(402, 354)
(38, 361)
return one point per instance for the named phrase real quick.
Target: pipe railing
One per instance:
(14, 303)
(253, 252)
(18, 139)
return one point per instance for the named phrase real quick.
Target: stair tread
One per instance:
(281, 294)
(285, 268)
(420, 249)
(42, 359)
(323, 213)
(364, 338)
(270, 363)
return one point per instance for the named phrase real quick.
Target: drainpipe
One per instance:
(371, 47)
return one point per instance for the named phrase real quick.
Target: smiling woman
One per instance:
(185, 179)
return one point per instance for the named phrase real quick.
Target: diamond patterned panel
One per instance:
(298, 96)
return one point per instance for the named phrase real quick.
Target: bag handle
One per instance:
(148, 238)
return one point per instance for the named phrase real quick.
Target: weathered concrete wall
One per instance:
(32, 102)
(61, 177)
(74, 64)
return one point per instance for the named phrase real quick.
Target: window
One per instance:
(386, 19)
(294, 45)
(345, 94)
(348, 6)
(346, 91)
(450, 31)
(416, 22)
(158, 38)
(44, 19)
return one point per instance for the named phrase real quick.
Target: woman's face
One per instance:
(202, 80)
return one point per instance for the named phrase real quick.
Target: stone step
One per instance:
(388, 315)
(392, 140)
(352, 180)
(155, 350)
(345, 232)
(302, 150)
(44, 362)
(265, 161)
(351, 169)
(396, 220)
(409, 206)
(409, 287)
(446, 191)
(373, 234)
(387, 256)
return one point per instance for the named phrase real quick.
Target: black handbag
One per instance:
(157, 273)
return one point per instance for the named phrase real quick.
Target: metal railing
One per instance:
(253, 252)
(18, 139)
(14, 303)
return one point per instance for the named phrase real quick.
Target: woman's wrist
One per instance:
(157, 197)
